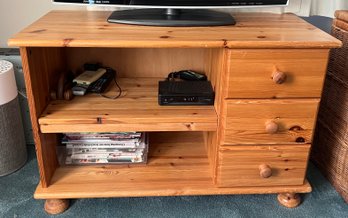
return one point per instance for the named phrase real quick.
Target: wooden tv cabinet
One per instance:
(267, 73)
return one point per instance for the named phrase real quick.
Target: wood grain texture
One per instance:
(140, 62)
(194, 147)
(289, 200)
(239, 165)
(90, 29)
(215, 70)
(108, 189)
(251, 73)
(211, 145)
(136, 110)
(39, 64)
(177, 165)
(56, 206)
(245, 121)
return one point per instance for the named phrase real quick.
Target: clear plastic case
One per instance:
(86, 150)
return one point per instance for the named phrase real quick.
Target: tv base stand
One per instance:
(172, 17)
(256, 138)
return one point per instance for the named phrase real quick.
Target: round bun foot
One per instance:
(289, 200)
(56, 206)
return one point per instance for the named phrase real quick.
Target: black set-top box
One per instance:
(185, 93)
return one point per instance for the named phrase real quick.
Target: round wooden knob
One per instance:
(271, 127)
(279, 77)
(265, 171)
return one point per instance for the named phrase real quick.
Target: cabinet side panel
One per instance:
(215, 68)
(40, 66)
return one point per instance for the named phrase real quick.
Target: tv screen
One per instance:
(180, 3)
(175, 12)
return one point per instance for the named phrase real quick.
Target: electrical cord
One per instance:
(22, 93)
(117, 87)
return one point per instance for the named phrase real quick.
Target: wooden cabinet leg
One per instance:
(56, 206)
(289, 200)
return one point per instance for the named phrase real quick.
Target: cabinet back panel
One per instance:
(139, 62)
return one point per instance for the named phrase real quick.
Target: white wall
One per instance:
(327, 7)
(16, 14)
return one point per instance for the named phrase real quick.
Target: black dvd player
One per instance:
(185, 93)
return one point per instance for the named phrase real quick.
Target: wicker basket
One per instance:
(338, 61)
(333, 109)
(330, 156)
(330, 144)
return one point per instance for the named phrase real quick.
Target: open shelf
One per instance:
(178, 165)
(136, 110)
(176, 159)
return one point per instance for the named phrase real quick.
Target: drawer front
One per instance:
(276, 73)
(262, 165)
(269, 121)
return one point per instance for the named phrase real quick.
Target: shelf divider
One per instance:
(136, 110)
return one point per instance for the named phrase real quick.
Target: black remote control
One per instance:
(102, 83)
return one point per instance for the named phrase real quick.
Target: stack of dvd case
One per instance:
(106, 148)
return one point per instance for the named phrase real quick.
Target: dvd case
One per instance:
(104, 148)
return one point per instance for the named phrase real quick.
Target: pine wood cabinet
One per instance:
(248, 165)
(267, 77)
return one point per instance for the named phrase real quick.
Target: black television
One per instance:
(175, 12)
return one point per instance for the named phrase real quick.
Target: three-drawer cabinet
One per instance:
(268, 116)
(267, 77)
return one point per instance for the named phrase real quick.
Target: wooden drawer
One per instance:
(243, 165)
(273, 121)
(251, 73)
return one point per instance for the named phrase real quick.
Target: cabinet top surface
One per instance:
(90, 29)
